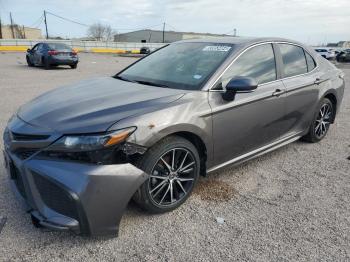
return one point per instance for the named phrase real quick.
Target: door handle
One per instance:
(278, 92)
(318, 81)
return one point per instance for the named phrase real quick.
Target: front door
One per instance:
(36, 55)
(251, 120)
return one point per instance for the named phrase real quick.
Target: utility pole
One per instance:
(24, 32)
(0, 29)
(235, 32)
(47, 32)
(163, 32)
(13, 32)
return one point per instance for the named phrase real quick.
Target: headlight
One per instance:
(108, 148)
(79, 143)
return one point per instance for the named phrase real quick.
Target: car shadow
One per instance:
(22, 66)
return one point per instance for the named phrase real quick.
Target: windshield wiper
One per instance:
(124, 79)
(149, 83)
(139, 81)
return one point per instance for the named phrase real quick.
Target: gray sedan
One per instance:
(52, 54)
(78, 154)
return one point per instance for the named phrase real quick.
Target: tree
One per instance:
(100, 32)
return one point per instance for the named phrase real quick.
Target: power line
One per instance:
(38, 26)
(82, 24)
(67, 19)
(38, 21)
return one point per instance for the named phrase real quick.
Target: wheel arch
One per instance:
(191, 134)
(333, 98)
(199, 144)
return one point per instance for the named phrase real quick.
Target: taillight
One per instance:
(73, 53)
(53, 52)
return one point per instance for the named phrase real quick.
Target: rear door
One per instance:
(301, 79)
(251, 120)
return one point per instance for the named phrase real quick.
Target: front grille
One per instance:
(25, 153)
(16, 176)
(26, 137)
(55, 197)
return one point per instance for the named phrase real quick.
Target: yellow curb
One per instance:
(13, 48)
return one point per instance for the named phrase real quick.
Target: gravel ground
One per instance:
(289, 205)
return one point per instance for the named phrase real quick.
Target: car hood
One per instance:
(94, 105)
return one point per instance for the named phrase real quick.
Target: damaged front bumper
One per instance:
(87, 199)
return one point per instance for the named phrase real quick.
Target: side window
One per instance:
(257, 62)
(41, 47)
(310, 62)
(294, 62)
(36, 47)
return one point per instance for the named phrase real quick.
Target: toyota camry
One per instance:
(78, 154)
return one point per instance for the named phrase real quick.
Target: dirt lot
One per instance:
(290, 205)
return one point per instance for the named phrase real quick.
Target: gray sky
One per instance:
(309, 21)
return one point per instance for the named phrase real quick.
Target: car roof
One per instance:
(48, 43)
(242, 41)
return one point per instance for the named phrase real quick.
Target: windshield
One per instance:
(179, 65)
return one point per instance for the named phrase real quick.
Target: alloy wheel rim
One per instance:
(323, 120)
(172, 177)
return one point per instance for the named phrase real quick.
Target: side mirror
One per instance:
(239, 84)
(28, 50)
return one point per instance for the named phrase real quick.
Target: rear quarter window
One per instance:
(294, 61)
(311, 64)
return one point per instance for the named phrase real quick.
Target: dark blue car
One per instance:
(52, 54)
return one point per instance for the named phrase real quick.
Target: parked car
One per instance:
(77, 155)
(328, 54)
(344, 56)
(52, 54)
(145, 50)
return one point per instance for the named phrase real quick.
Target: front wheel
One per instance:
(173, 166)
(321, 122)
(74, 66)
(30, 64)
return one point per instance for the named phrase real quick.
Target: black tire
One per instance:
(46, 64)
(30, 64)
(180, 190)
(74, 66)
(314, 134)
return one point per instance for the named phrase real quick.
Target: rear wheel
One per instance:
(46, 64)
(173, 166)
(74, 66)
(321, 121)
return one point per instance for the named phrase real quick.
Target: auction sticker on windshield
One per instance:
(217, 48)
